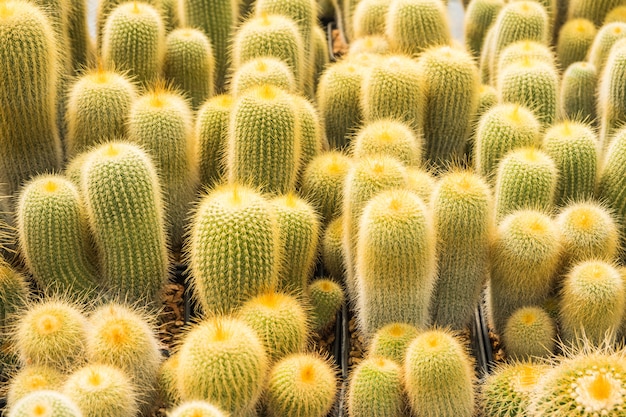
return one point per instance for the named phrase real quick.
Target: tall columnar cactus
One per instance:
(500, 130)
(312, 139)
(28, 116)
(421, 182)
(32, 378)
(518, 52)
(369, 18)
(262, 70)
(189, 64)
(376, 389)
(299, 231)
(439, 376)
(577, 100)
(529, 333)
(234, 248)
(222, 361)
(393, 89)
(607, 36)
(13, 297)
(171, 15)
(122, 193)
(133, 40)
(271, 35)
(326, 297)
(617, 14)
(105, 7)
(320, 53)
(462, 211)
(45, 403)
(160, 122)
(78, 34)
(525, 256)
(98, 105)
(612, 181)
(217, 19)
(450, 89)
(391, 341)
(52, 224)
(592, 10)
(573, 148)
(388, 137)
(211, 132)
(575, 39)
(592, 302)
(399, 286)
(415, 25)
(479, 16)
(333, 257)
(527, 179)
(611, 95)
(487, 98)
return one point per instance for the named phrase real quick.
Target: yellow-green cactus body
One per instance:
(326, 297)
(388, 137)
(391, 341)
(373, 44)
(604, 40)
(262, 70)
(592, 10)
(171, 15)
(211, 132)
(518, 52)
(168, 381)
(578, 93)
(575, 39)
(31, 378)
(529, 333)
(421, 182)
(197, 408)
(78, 34)
(376, 389)
(478, 18)
(320, 53)
(312, 140)
(13, 297)
(45, 403)
(332, 249)
(611, 97)
(369, 18)
(105, 7)
(487, 98)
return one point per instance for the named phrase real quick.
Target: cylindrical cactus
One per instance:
(604, 40)
(611, 97)
(320, 53)
(32, 378)
(487, 98)
(197, 408)
(518, 52)
(45, 403)
(577, 98)
(376, 389)
(312, 140)
(369, 18)
(78, 35)
(262, 70)
(478, 18)
(14, 292)
(326, 297)
(592, 10)
(388, 137)
(168, 381)
(332, 249)
(575, 39)
(391, 341)
(529, 333)
(373, 44)
(211, 132)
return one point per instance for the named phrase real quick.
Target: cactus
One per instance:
(217, 19)
(233, 222)
(31, 378)
(527, 179)
(211, 136)
(575, 39)
(123, 198)
(52, 333)
(592, 302)
(279, 321)
(369, 18)
(529, 333)
(312, 140)
(374, 44)
(133, 40)
(98, 105)
(611, 97)
(487, 56)
(13, 297)
(320, 54)
(388, 137)
(573, 148)
(518, 52)
(421, 182)
(78, 34)
(102, 391)
(222, 361)
(462, 212)
(450, 89)
(398, 222)
(439, 376)
(262, 70)
(301, 385)
(171, 15)
(393, 90)
(578, 93)
(197, 409)
(332, 249)
(603, 42)
(105, 7)
(617, 14)
(274, 36)
(500, 130)
(45, 403)
(52, 223)
(375, 389)
(415, 25)
(167, 381)
(28, 116)
(189, 64)
(326, 297)
(160, 122)
(592, 10)
(322, 183)
(525, 255)
(391, 341)
(479, 16)
(487, 98)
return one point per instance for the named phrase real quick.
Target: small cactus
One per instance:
(529, 333)
(391, 341)
(45, 403)
(376, 389)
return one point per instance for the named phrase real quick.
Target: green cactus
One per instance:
(326, 297)
(222, 361)
(105, 7)
(421, 182)
(525, 255)
(332, 249)
(518, 52)
(53, 333)
(312, 141)
(375, 389)
(322, 183)
(52, 223)
(575, 39)
(478, 18)
(450, 90)
(233, 222)
(78, 34)
(168, 381)
(391, 341)
(197, 409)
(321, 56)
(98, 105)
(28, 116)
(133, 40)
(189, 64)
(462, 211)
(217, 19)
(439, 376)
(262, 70)
(123, 199)
(14, 294)
(573, 148)
(578, 93)
(487, 98)
(31, 378)
(279, 321)
(529, 333)
(611, 97)
(388, 137)
(617, 14)
(211, 136)
(261, 154)
(396, 240)
(160, 121)
(415, 25)
(374, 44)
(500, 130)
(369, 18)
(102, 391)
(171, 15)
(606, 37)
(487, 56)
(301, 385)
(45, 403)
(592, 10)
